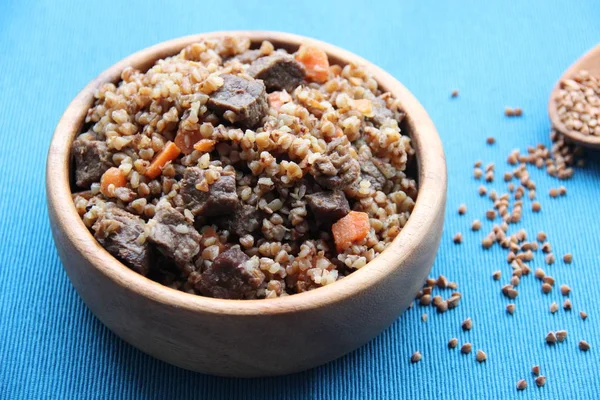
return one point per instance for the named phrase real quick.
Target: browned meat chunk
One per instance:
(336, 169)
(245, 98)
(248, 56)
(380, 113)
(221, 197)
(174, 235)
(246, 219)
(371, 173)
(121, 234)
(278, 72)
(231, 276)
(92, 159)
(328, 206)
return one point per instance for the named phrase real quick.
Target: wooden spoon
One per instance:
(590, 62)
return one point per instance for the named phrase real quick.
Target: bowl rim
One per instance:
(429, 204)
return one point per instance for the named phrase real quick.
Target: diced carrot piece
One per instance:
(364, 106)
(205, 145)
(315, 62)
(185, 140)
(168, 153)
(277, 99)
(352, 228)
(112, 176)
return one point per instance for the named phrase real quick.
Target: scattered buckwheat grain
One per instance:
(452, 343)
(497, 275)
(515, 280)
(466, 348)
(539, 273)
(522, 384)
(476, 225)
(462, 209)
(551, 338)
(487, 242)
(416, 357)
(547, 247)
(509, 291)
(457, 239)
(424, 317)
(561, 335)
(546, 288)
(568, 258)
(583, 315)
(454, 93)
(425, 300)
(553, 307)
(540, 381)
(583, 345)
(491, 140)
(511, 257)
(549, 280)
(510, 308)
(541, 237)
(535, 370)
(467, 324)
(550, 259)
(480, 356)
(442, 282)
(453, 302)
(567, 306)
(442, 307)
(565, 290)
(536, 206)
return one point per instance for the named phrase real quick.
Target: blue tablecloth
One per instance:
(496, 53)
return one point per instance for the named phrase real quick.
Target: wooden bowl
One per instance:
(249, 338)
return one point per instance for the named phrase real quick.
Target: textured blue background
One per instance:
(497, 53)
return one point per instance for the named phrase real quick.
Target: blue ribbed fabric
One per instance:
(496, 53)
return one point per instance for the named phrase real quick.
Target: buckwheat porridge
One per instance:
(242, 173)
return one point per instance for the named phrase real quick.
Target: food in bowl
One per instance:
(242, 173)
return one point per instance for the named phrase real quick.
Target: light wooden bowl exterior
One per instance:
(590, 62)
(253, 337)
